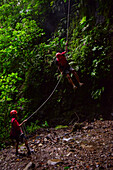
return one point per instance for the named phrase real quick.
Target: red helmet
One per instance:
(58, 54)
(13, 112)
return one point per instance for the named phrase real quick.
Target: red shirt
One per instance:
(61, 59)
(15, 130)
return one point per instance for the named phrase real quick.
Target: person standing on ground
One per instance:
(16, 131)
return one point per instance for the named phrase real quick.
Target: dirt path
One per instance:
(88, 148)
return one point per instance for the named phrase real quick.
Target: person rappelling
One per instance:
(65, 68)
(62, 62)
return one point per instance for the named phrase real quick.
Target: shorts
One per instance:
(20, 138)
(66, 70)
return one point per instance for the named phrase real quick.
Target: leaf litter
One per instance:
(88, 148)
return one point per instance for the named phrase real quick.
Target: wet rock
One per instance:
(67, 139)
(40, 145)
(54, 161)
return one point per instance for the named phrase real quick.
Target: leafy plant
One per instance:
(60, 126)
(32, 127)
(9, 87)
(45, 124)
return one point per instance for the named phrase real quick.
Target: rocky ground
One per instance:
(89, 147)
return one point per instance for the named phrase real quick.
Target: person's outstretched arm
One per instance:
(66, 49)
(23, 122)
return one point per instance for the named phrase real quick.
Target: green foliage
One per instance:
(60, 127)
(33, 127)
(67, 167)
(96, 94)
(90, 50)
(45, 124)
(19, 36)
(9, 88)
(16, 47)
(83, 20)
(27, 55)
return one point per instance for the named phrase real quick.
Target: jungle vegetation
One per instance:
(31, 32)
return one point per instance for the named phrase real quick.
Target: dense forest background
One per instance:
(31, 32)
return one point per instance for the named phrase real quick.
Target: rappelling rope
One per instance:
(61, 76)
(46, 99)
(68, 19)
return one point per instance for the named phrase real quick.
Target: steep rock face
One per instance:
(69, 102)
(53, 18)
(57, 16)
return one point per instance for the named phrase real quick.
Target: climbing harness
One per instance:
(68, 19)
(46, 99)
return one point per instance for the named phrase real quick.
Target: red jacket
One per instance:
(15, 129)
(61, 59)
